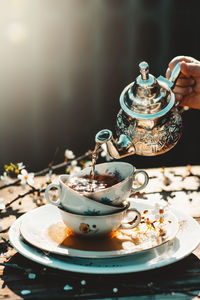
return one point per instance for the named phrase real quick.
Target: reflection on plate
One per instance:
(185, 242)
(43, 228)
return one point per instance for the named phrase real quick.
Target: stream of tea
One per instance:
(92, 182)
(94, 160)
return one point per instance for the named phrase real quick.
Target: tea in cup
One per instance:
(112, 182)
(92, 226)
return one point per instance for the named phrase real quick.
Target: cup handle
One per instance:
(146, 180)
(56, 201)
(132, 223)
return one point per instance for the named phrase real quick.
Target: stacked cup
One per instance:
(101, 210)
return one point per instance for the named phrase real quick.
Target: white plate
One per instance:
(186, 241)
(38, 223)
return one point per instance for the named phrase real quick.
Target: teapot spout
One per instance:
(122, 148)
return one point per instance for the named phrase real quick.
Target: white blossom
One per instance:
(2, 205)
(20, 165)
(73, 170)
(5, 178)
(74, 163)
(50, 176)
(159, 211)
(26, 177)
(69, 154)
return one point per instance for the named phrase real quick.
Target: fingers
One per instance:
(190, 69)
(185, 81)
(183, 90)
(182, 81)
(187, 88)
(178, 98)
(168, 73)
(188, 95)
(177, 59)
(197, 85)
(183, 87)
(190, 74)
(192, 101)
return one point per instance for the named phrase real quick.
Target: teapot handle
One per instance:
(175, 74)
(173, 78)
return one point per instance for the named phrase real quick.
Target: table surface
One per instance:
(22, 278)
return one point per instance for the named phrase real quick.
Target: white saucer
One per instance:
(36, 225)
(186, 241)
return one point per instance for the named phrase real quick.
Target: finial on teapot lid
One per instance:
(144, 70)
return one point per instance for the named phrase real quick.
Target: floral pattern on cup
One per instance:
(106, 200)
(92, 212)
(86, 228)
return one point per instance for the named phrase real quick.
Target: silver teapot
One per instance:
(149, 122)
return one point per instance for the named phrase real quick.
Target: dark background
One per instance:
(63, 65)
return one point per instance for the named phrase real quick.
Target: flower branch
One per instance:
(20, 196)
(51, 167)
(71, 163)
(63, 164)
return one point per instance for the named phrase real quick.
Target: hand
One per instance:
(187, 88)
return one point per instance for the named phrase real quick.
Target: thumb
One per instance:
(190, 69)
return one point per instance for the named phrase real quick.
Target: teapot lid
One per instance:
(147, 97)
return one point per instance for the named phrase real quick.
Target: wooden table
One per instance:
(22, 278)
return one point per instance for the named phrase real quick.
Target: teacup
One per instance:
(115, 194)
(92, 226)
(75, 202)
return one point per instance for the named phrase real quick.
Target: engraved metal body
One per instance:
(148, 122)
